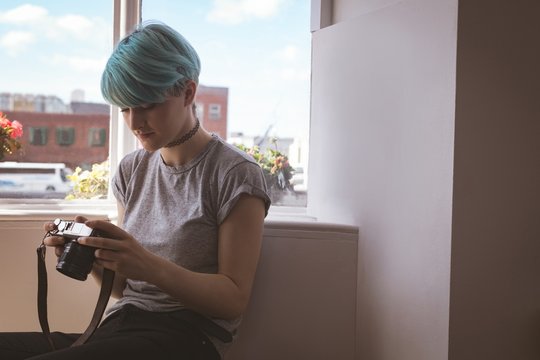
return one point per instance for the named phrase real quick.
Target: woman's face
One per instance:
(156, 125)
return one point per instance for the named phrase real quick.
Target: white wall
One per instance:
(71, 302)
(381, 157)
(425, 133)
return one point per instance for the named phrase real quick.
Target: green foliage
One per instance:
(277, 170)
(90, 184)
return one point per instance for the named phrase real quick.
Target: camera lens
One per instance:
(76, 261)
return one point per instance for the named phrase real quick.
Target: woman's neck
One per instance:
(182, 154)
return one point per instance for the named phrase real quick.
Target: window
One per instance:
(256, 72)
(65, 136)
(97, 137)
(38, 135)
(214, 111)
(258, 61)
(53, 53)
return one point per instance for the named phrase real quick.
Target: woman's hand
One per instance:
(119, 251)
(58, 241)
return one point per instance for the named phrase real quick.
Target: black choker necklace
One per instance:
(186, 136)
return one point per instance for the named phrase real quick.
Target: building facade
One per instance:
(212, 107)
(77, 134)
(74, 139)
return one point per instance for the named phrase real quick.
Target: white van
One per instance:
(36, 177)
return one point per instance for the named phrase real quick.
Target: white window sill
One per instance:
(48, 209)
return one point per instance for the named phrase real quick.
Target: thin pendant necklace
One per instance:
(185, 137)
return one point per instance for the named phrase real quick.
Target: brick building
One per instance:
(81, 137)
(74, 139)
(212, 108)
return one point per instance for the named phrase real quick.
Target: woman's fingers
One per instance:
(54, 241)
(80, 219)
(49, 226)
(100, 242)
(58, 251)
(107, 228)
(106, 255)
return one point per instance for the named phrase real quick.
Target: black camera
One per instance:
(77, 260)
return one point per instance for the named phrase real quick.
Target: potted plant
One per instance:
(276, 168)
(90, 184)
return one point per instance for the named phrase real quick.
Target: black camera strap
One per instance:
(103, 298)
(42, 294)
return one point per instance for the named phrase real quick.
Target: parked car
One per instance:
(36, 177)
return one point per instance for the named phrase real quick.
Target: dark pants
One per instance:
(130, 333)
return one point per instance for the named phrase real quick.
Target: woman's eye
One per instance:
(124, 109)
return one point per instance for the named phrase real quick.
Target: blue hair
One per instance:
(152, 62)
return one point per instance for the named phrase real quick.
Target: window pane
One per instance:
(97, 137)
(65, 136)
(53, 53)
(255, 80)
(38, 136)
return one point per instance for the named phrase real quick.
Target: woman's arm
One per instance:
(118, 285)
(97, 270)
(223, 295)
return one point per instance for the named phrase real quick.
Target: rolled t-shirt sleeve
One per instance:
(119, 187)
(244, 178)
(121, 178)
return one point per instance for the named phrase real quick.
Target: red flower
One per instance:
(17, 131)
(10, 131)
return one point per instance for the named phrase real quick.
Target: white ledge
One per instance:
(44, 210)
(47, 209)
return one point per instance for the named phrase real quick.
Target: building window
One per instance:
(65, 136)
(97, 137)
(214, 111)
(38, 135)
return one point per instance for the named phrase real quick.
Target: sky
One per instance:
(259, 50)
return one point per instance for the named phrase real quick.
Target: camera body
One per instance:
(77, 260)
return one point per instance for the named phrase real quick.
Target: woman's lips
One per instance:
(144, 136)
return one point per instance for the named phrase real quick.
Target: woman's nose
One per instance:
(133, 119)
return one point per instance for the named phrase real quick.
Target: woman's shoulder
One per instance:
(229, 155)
(136, 156)
(230, 162)
(135, 159)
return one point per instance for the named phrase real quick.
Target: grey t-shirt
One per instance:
(175, 212)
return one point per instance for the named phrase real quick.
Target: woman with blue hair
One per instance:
(190, 213)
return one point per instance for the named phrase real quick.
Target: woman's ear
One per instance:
(189, 92)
